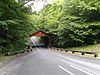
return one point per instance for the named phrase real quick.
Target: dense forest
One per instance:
(14, 26)
(71, 23)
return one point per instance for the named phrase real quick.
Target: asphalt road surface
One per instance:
(42, 61)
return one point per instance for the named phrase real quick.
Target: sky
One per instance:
(37, 5)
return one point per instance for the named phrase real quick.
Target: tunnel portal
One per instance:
(39, 39)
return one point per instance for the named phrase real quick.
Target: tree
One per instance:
(73, 23)
(14, 26)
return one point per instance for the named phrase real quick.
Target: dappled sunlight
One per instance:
(36, 41)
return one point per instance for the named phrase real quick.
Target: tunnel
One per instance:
(39, 39)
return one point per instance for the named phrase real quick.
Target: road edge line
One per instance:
(80, 69)
(66, 70)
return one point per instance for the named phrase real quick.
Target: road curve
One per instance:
(42, 61)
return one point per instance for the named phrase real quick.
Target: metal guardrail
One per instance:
(76, 51)
(21, 52)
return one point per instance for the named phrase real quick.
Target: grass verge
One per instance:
(89, 48)
(3, 58)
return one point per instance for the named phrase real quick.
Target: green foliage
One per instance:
(86, 9)
(14, 26)
(86, 28)
(72, 22)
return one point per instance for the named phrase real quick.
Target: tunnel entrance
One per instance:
(39, 39)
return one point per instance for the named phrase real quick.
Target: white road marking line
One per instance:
(83, 62)
(80, 70)
(37, 49)
(66, 70)
(76, 67)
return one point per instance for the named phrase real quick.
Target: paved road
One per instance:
(45, 62)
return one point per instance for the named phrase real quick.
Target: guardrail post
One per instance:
(83, 53)
(31, 50)
(27, 50)
(54, 48)
(95, 55)
(73, 52)
(66, 51)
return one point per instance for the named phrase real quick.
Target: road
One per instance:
(42, 61)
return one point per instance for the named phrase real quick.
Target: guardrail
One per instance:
(21, 52)
(76, 51)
